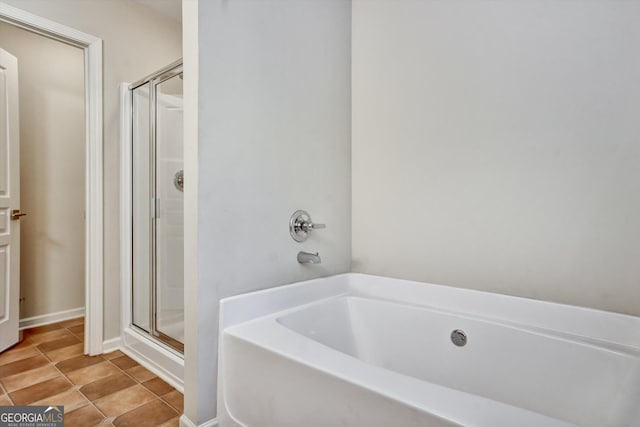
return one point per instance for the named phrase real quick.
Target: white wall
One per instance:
(194, 401)
(51, 79)
(274, 137)
(495, 146)
(137, 42)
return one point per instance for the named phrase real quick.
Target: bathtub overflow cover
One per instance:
(458, 337)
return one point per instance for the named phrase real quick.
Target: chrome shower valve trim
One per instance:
(301, 224)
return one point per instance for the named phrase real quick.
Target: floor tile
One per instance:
(174, 422)
(72, 322)
(123, 401)
(65, 352)
(151, 414)
(124, 362)
(23, 365)
(70, 399)
(48, 346)
(83, 417)
(106, 386)
(17, 354)
(92, 373)
(42, 329)
(39, 391)
(129, 394)
(158, 386)
(78, 362)
(140, 373)
(27, 378)
(77, 329)
(47, 336)
(113, 355)
(22, 344)
(175, 399)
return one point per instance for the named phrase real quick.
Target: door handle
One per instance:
(16, 214)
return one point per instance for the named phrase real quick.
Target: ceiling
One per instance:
(168, 8)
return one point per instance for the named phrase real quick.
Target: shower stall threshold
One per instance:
(160, 359)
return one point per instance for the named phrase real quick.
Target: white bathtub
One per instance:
(358, 350)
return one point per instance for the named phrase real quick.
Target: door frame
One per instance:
(92, 48)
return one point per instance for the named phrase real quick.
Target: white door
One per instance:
(9, 201)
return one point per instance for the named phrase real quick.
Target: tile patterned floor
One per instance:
(48, 368)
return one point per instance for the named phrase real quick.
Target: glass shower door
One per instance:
(169, 226)
(158, 207)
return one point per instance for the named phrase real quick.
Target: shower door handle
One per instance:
(155, 208)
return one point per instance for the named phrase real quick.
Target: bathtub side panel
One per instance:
(263, 389)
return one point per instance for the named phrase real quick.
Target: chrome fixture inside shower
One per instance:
(178, 180)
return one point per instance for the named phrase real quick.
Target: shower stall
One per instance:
(153, 216)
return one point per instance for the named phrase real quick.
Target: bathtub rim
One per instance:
(589, 324)
(281, 319)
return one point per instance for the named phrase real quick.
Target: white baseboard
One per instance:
(112, 344)
(47, 319)
(186, 422)
(159, 360)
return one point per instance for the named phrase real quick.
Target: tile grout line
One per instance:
(7, 393)
(41, 353)
(156, 396)
(47, 358)
(135, 383)
(140, 383)
(90, 402)
(13, 403)
(63, 375)
(52, 363)
(170, 405)
(48, 364)
(3, 389)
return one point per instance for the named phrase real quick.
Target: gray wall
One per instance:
(51, 79)
(274, 137)
(496, 146)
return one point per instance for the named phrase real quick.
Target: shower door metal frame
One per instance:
(172, 70)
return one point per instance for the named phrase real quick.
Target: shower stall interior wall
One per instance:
(170, 220)
(153, 222)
